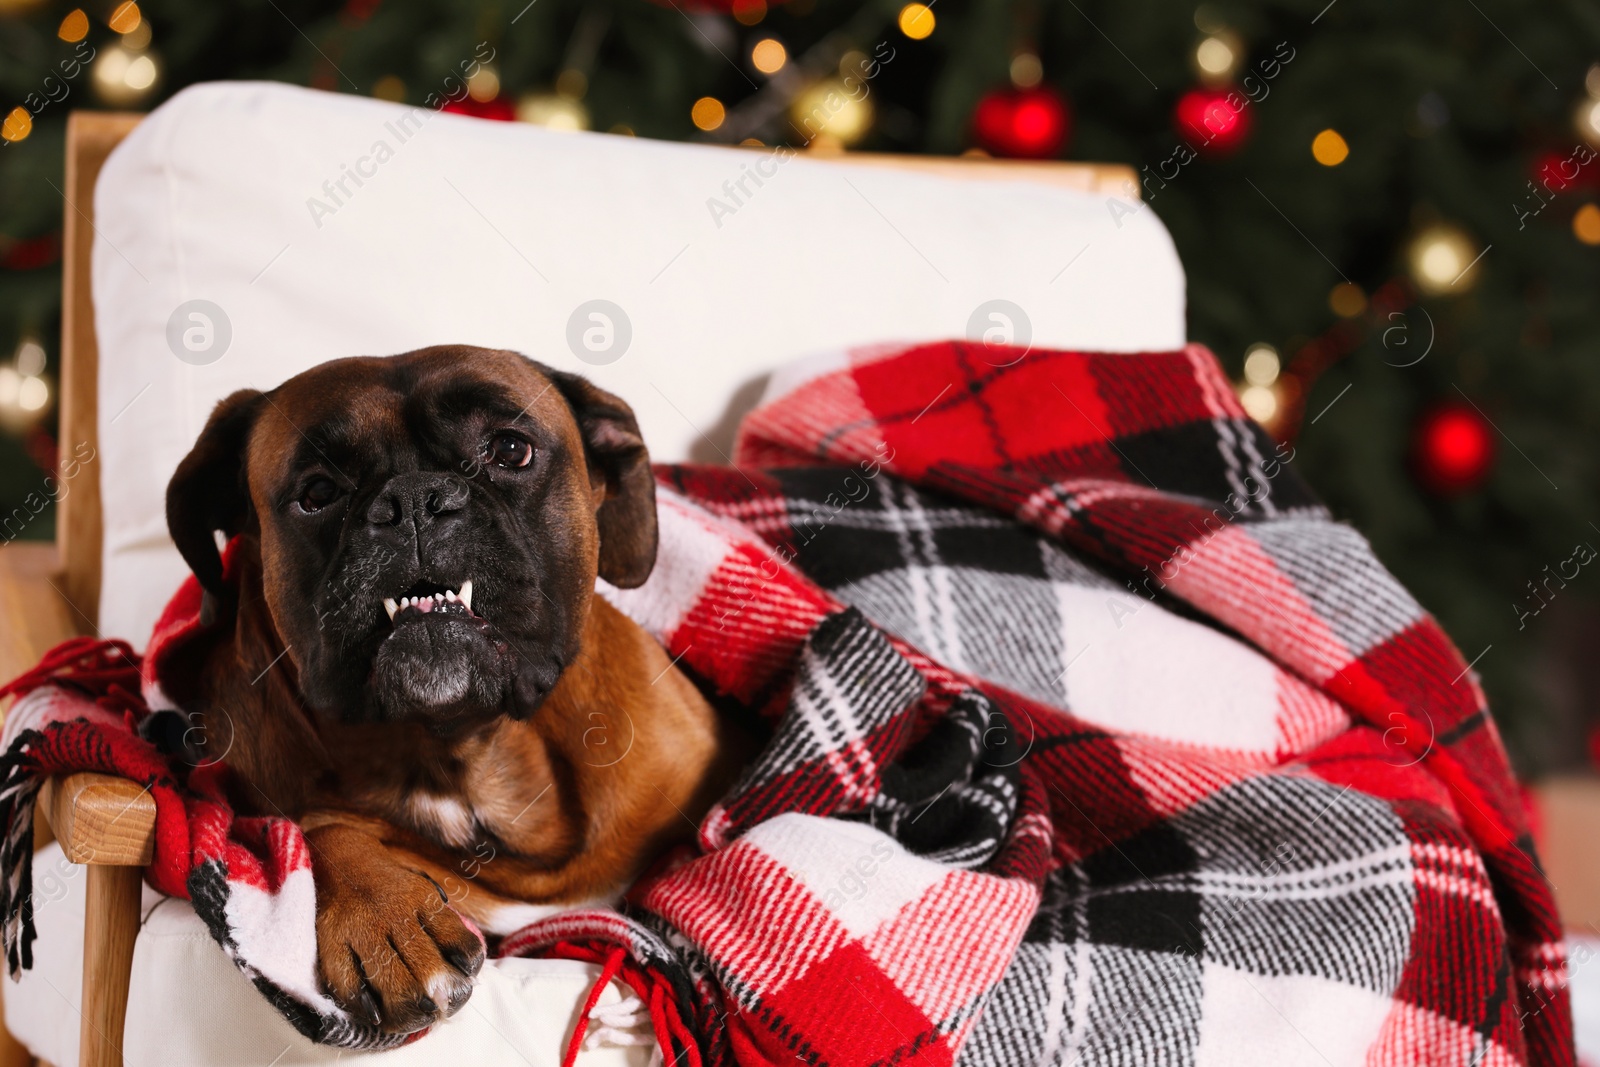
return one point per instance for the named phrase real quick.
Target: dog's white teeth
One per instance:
(466, 595)
(450, 595)
(390, 606)
(438, 597)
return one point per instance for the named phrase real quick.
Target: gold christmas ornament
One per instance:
(836, 109)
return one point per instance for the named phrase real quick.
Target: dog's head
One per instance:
(430, 525)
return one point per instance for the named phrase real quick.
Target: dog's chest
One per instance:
(449, 820)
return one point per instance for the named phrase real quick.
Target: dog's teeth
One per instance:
(450, 595)
(465, 595)
(390, 606)
(438, 596)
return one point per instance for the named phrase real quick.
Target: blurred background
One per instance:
(1389, 212)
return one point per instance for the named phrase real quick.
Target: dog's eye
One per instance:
(509, 450)
(318, 494)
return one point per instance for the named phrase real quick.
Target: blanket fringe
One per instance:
(20, 782)
(665, 1013)
(103, 671)
(107, 671)
(613, 964)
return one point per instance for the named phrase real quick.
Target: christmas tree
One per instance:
(1388, 214)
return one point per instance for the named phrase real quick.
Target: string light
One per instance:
(707, 113)
(33, 394)
(1261, 364)
(552, 111)
(1586, 224)
(1442, 259)
(17, 125)
(75, 27)
(30, 358)
(10, 386)
(916, 21)
(484, 85)
(768, 56)
(138, 38)
(1587, 120)
(1216, 58)
(1329, 148)
(1260, 402)
(390, 88)
(572, 83)
(126, 17)
(1026, 70)
(122, 76)
(1347, 300)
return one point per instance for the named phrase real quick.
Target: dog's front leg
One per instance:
(390, 948)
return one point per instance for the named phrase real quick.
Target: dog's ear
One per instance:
(208, 493)
(615, 451)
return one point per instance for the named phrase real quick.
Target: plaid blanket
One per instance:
(1093, 739)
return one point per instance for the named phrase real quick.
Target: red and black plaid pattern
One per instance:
(999, 614)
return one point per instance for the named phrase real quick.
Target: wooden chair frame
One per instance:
(49, 593)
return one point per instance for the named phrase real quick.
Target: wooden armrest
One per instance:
(37, 614)
(101, 819)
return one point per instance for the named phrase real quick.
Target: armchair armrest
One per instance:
(101, 820)
(108, 823)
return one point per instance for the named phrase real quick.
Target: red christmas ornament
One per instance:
(1022, 123)
(1556, 172)
(1452, 449)
(1213, 120)
(499, 109)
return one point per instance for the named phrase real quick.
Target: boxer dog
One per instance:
(409, 657)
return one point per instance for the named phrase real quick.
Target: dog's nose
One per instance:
(421, 496)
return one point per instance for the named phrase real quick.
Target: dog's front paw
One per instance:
(390, 949)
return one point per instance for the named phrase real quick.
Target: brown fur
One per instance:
(409, 827)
